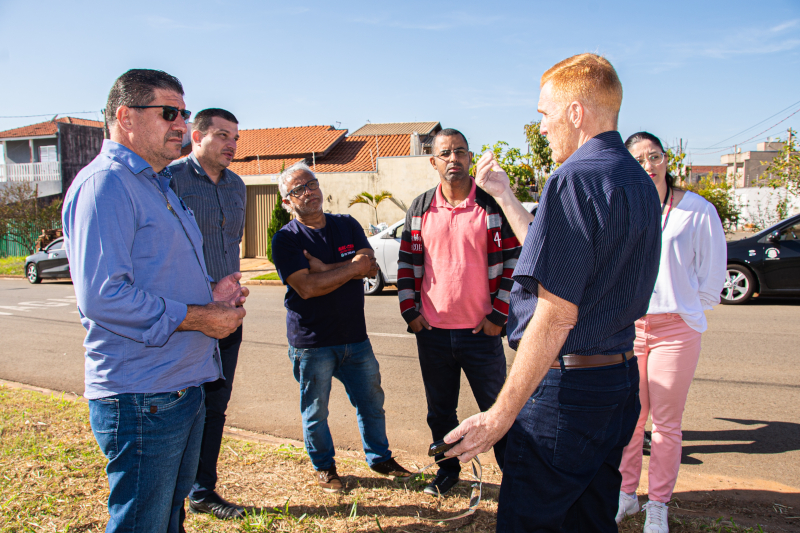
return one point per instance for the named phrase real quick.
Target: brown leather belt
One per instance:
(592, 361)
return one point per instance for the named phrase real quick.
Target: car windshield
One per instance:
(774, 227)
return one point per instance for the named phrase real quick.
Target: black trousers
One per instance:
(443, 353)
(218, 394)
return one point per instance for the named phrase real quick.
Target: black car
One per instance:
(48, 263)
(767, 264)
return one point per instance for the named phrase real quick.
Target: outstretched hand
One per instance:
(228, 292)
(490, 176)
(480, 433)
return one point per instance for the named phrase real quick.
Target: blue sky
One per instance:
(702, 71)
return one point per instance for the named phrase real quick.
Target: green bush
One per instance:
(280, 217)
(721, 197)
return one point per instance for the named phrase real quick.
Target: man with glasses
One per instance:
(457, 255)
(152, 317)
(217, 197)
(322, 259)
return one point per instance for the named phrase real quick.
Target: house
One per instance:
(717, 173)
(49, 154)
(748, 167)
(375, 158)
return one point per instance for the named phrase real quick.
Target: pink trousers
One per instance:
(667, 351)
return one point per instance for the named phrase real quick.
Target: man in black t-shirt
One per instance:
(322, 259)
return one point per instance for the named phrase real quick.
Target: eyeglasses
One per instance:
(168, 112)
(655, 158)
(445, 154)
(300, 190)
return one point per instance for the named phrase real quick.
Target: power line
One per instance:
(756, 135)
(715, 145)
(54, 114)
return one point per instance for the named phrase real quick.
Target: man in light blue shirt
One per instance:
(152, 318)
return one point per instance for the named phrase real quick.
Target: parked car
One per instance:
(387, 250)
(48, 263)
(767, 264)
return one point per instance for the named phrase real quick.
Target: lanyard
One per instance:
(669, 208)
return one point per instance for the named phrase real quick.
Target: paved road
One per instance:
(742, 419)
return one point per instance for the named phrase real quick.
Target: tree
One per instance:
(370, 200)
(784, 170)
(23, 216)
(676, 166)
(540, 155)
(513, 162)
(280, 217)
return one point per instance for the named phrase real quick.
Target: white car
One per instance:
(387, 250)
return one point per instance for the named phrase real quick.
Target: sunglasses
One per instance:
(168, 112)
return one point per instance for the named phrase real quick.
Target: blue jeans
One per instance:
(152, 443)
(218, 394)
(443, 353)
(358, 370)
(564, 450)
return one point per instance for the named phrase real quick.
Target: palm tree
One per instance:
(370, 200)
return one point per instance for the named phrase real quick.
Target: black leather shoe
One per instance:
(216, 505)
(441, 485)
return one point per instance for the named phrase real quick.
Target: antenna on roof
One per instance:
(338, 125)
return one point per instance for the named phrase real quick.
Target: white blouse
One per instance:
(694, 257)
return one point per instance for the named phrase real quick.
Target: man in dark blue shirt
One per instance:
(217, 197)
(585, 274)
(323, 259)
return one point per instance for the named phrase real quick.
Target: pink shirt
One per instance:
(455, 285)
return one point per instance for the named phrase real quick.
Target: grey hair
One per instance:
(286, 175)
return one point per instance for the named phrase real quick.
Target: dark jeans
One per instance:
(564, 450)
(218, 394)
(443, 353)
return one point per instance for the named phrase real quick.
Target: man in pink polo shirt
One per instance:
(457, 256)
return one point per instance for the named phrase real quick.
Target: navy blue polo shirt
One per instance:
(595, 242)
(335, 318)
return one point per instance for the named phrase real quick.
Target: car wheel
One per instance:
(32, 273)
(373, 286)
(739, 285)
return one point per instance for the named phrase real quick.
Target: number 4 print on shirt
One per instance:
(497, 239)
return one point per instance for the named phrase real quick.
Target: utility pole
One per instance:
(789, 143)
(734, 167)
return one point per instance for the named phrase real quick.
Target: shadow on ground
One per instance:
(768, 438)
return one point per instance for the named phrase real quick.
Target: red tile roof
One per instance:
(255, 167)
(398, 128)
(46, 128)
(353, 153)
(716, 169)
(288, 142)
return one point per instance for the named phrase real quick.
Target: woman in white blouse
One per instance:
(690, 278)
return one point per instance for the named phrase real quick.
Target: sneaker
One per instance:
(628, 505)
(329, 480)
(391, 469)
(218, 506)
(441, 485)
(656, 521)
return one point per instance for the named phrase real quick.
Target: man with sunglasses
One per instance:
(152, 317)
(457, 255)
(217, 197)
(322, 259)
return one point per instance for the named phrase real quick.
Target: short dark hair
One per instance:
(448, 132)
(203, 119)
(646, 136)
(137, 87)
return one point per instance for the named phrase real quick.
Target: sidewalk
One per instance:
(252, 267)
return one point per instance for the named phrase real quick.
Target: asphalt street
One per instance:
(742, 419)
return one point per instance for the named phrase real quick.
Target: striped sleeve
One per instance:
(504, 250)
(407, 283)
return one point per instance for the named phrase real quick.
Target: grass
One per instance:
(53, 480)
(270, 275)
(12, 266)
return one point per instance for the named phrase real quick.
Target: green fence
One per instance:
(9, 248)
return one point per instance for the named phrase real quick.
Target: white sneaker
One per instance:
(628, 505)
(656, 521)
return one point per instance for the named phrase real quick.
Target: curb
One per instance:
(12, 276)
(269, 282)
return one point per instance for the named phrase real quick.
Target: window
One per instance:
(398, 231)
(56, 246)
(48, 154)
(792, 233)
